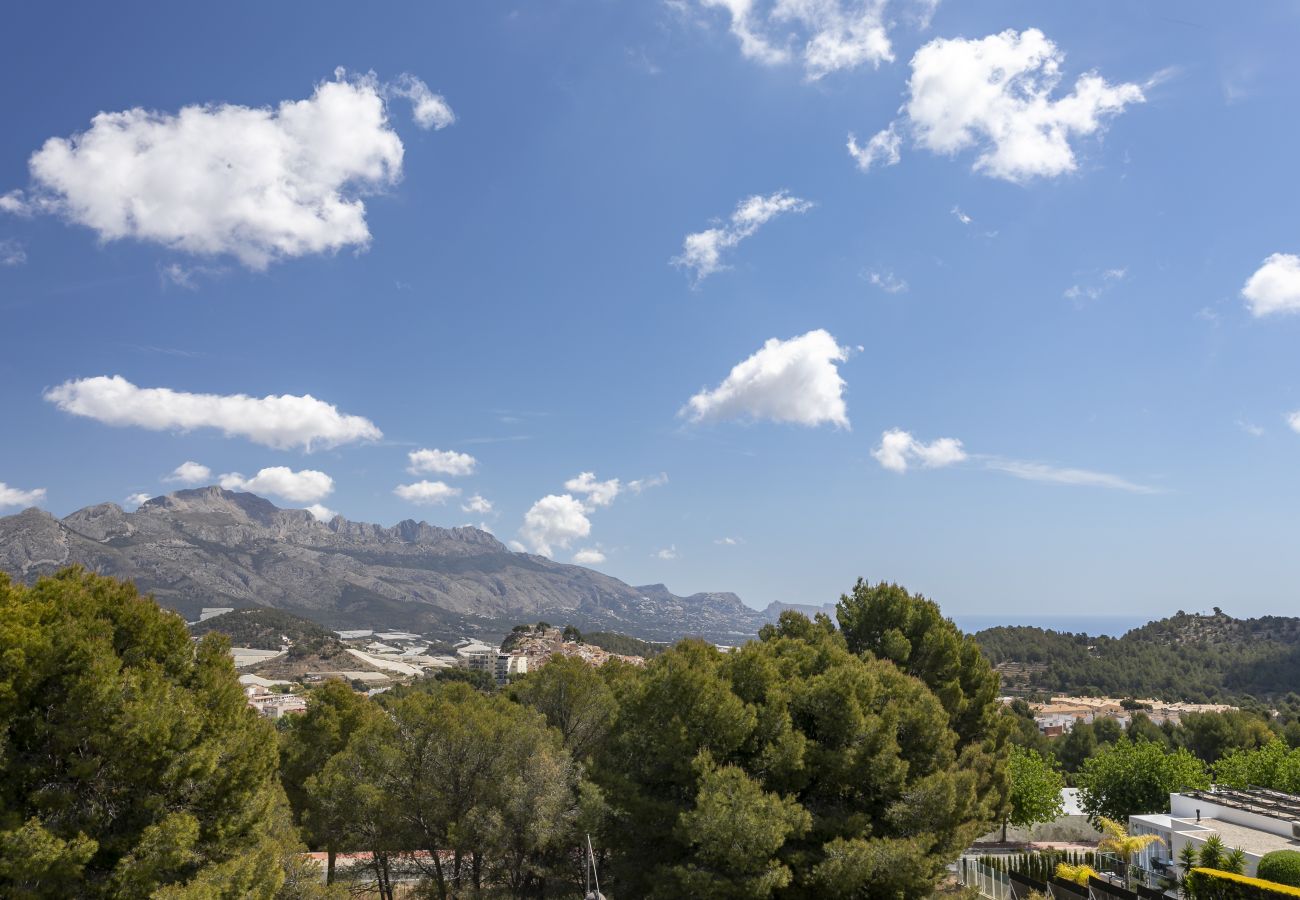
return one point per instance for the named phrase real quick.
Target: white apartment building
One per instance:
(508, 664)
(1256, 822)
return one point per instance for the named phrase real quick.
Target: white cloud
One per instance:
(256, 183)
(729, 541)
(10, 496)
(321, 513)
(994, 94)
(187, 277)
(1250, 428)
(835, 34)
(589, 556)
(14, 204)
(190, 472)
(477, 504)
(1094, 289)
(961, 216)
(882, 148)
(1294, 421)
(426, 493)
(517, 547)
(1275, 286)
(554, 521)
(1034, 471)
(440, 462)
(887, 282)
(12, 253)
(702, 251)
(306, 486)
(280, 422)
(598, 493)
(667, 552)
(135, 501)
(898, 449)
(785, 381)
(429, 110)
(638, 485)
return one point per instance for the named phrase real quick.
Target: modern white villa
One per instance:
(1256, 822)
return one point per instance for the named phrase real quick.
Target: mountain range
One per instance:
(210, 547)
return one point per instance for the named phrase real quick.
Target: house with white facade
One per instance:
(1255, 822)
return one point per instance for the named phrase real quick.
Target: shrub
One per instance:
(1211, 884)
(1282, 866)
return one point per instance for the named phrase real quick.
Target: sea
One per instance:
(1114, 626)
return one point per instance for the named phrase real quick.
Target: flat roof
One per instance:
(1274, 804)
(1241, 837)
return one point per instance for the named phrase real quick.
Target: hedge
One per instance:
(1282, 866)
(1212, 884)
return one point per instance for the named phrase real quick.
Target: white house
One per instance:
(1256, 822)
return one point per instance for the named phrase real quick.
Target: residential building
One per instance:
(1256, 822)
(508, 664)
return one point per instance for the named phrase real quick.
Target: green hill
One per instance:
(267, 629)
(1188, 656)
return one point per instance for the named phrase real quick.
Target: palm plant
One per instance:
(1123, 844)
(1187, 860)
(1078, 874)
(1212, 854)
(1235, 862)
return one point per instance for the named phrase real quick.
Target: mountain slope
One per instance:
(1184, 657)
(213, 547)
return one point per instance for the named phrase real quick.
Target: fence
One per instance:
(985, 879)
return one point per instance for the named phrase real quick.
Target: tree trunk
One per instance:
(330, 855)
(1004, 831)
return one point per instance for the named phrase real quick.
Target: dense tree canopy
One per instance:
(839, 774)
(130, 764)
(1132, 777)
(1036, 786)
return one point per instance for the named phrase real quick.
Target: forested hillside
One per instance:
(1187, 656)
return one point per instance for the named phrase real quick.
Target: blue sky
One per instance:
(1047, 291)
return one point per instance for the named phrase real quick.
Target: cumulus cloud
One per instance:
(255, 183)
(1035, 471)
(429, 110)
(1293, 420)
(11, 496)
(190, 472)
(825, 35)
(1275, 286)
(995, 95)
(321, 513)
(556, 520)
(588, 556)
(786, 381)
(426, 493)
(306, 486)
(598, 493)
(883, 148)
(12, 253)
(440, 462)
(702, 251)
(477, 504)
(898, 450)
(281, 422)
(135, 501)
(667, 552)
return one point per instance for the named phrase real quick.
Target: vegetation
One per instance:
(1198, 658)
(1036, 786)
(266, 629)
(131, 764)
(1118, 841)
(852, 761)
(1211, 884)
(1273, 765)
(1131, 777)
(1282, 866)
(622, 644)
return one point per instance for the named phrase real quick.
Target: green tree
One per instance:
(1117, 840)
(130, 762)
(334, 713)
(1132, 777)
(1076, 746)
(575, 699)
(1212, 853)
(1272, 766)
(452, 770)
(795, 723)
(1211, 735)
(1036, 786)
(890, 623)
(1282, 866)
